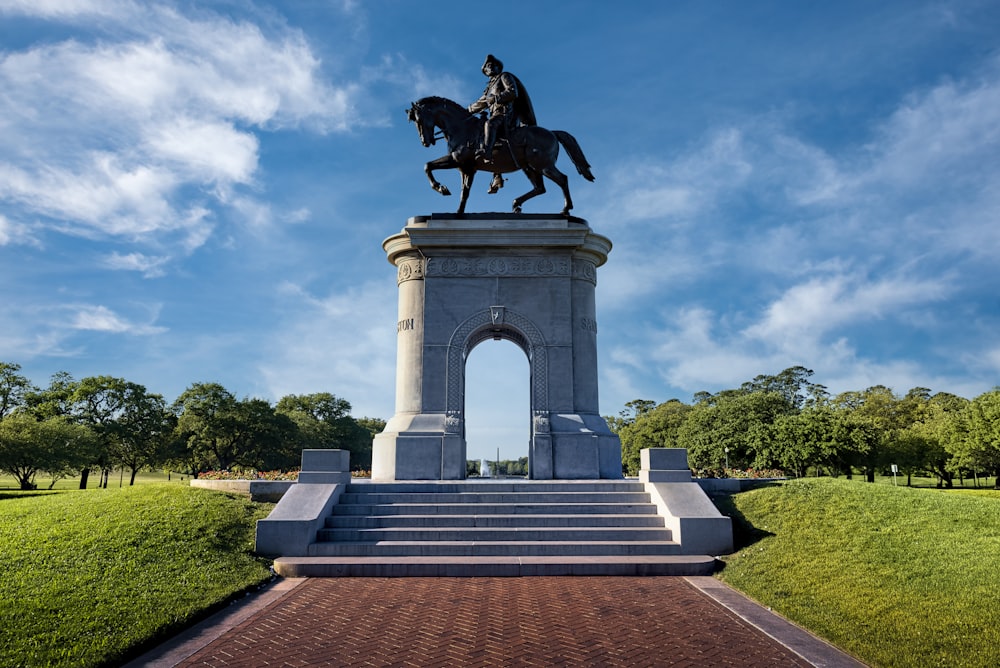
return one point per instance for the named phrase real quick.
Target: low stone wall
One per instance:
(733, 485)
(268, 491)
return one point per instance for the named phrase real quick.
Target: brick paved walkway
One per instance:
(537, 621)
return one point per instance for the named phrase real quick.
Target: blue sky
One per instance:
(199, 191)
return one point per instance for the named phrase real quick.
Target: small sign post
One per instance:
(895, 470)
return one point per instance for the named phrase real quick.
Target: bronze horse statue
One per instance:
(528, 148)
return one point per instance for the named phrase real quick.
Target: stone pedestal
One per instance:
(462, 280)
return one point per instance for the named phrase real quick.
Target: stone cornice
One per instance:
(496, 234)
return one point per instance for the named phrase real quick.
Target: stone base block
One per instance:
(403, 456)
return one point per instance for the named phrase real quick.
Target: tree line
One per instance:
(788, 422)
(100, 423)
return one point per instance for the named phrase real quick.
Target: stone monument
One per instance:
(466, 278)
(462, 280)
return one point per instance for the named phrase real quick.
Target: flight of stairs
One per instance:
(494, 528)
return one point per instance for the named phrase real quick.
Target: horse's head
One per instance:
(424, 122)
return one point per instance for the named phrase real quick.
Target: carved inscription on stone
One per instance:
(406, 325)
(498, 266)
(588, 325)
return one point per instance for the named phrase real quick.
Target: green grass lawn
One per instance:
(117, 480)
(898, 576)
(895, 575)
(91, 575)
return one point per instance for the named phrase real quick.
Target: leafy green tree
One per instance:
(117, 410)
(369, 428)
(743, 422)
(807, 438)
(324, 421)
(651, 427)
(792, 384)
(922, 446)
(982, 442)
(205, 413)
(220, 431)
(145, 427)
(14, 388)
(55, 400)
(266, 439)
(870, 426)
(55, 445)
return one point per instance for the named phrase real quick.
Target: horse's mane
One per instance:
(435, 99)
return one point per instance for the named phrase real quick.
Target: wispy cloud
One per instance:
(148, 266)
(100, 318)
(14, 233)
(111, 137)
(342, 340)
(868, 234)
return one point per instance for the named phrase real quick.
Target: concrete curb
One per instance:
(175, 650)
(810, 647)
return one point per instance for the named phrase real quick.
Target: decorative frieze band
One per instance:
(498, 265)
(411, 269)
(585, 270)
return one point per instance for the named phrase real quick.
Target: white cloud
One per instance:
(887, 232)
(150, 267)
(210, 152)
(342, 343)
(936, 134)
(63, 9)
(805, 312)
(114, 136)
(648, 189)
(102, 319)
(693, 348)
(15, 233)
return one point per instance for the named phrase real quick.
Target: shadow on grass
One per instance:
(15, 494)
(744, 533)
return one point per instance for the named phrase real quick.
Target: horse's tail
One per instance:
(575, 153)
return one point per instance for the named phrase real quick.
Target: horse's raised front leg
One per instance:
(444, 162)
(562, 181)
(539, 187)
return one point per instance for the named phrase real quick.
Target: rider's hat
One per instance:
(492, 59)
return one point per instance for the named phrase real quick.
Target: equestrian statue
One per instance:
(503, 139)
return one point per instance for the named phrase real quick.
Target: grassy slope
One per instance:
(897, 576)
(89, 574)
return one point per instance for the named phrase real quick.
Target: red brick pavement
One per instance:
(536, 621)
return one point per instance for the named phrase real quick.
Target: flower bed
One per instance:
(266, 486)
(268, 491)
(240, 474)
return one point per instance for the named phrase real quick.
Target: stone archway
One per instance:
(500, 323)
(461, 280)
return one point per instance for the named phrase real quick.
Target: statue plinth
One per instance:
(465, 279)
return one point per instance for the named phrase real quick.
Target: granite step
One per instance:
(600, 486)
(492, 566)
(512, 497)
(513, 533)
(361, 508)
(494, 527)
(491, 520)
(507, 548)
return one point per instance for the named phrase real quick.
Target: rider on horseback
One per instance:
(508, 105)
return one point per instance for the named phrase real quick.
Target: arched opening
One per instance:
(497, 402)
